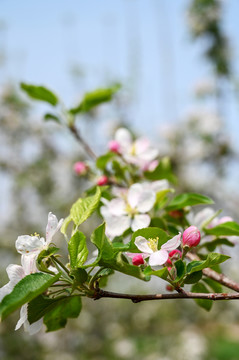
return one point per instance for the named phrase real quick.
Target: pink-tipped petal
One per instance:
(172, 243)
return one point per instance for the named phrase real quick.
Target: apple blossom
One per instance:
(33, 245)
(15, 274)
(128, 211)
(191, 237)
(149, 247)
(139, 152)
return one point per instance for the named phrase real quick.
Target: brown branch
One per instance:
(99, 293)
(84, 144)
(221, 278)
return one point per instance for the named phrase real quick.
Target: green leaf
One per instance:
(94, 98)
(188, 199)
(117, 263)
(44, 256)
(148, 233)
(211, 260)
(162, 273)
(51, 117)
(80, 275)
(98, 238)
(201, 288)
(180, 270)
(82, 209)
(162, 171)
(226, 229)
(65, 224)
(214, 285)
(193, 278)
(27, 289)
(68, 307)
(40, 93)
(211, 245)
(77, 250)
(103, 160)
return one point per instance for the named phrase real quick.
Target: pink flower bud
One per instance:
(138, 260)
(191, 236)
(175, 253)
(114, 146)
(80, 168)
(102, 180)
(169, 288)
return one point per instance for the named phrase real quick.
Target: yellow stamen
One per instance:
(153, 244)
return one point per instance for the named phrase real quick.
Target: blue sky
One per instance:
(144, 44)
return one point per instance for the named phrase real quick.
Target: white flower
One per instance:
(139, 152)
(27, 245)
(15, 274)
(128, 211)
(150, 249)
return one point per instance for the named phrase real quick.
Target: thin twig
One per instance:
(99, 293)
(84, 144)
(221, 278)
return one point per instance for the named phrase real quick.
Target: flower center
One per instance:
(130, 210)
(133, 150)
(153, 244)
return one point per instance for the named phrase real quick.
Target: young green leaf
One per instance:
(94, 98)
(51, 117)
(27, 289)
(162, 171)
(83, 208)
(103, 160)
(201, 288)
(226, 229)
(211, 260)
(40, 93)
(77, 250)
(193, 278)
(188, 199)
(162, 273)
(67, 307)
(180, 270)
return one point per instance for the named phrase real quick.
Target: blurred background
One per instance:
(178, 66)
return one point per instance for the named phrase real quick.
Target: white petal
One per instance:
(140, 221)
(15, 273)
(172, 243)
(124, 138)
(105, 212)
(26, 243)
(159, 185)
(141, 145)
(5, 290)
(34, 328)
(52, 227)
(29, 263)
(158, 258)
(142, 245)
(134, 194)
(116, 225)
(146, 201)
(149, 155)
(117, 207)
(23, 317)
